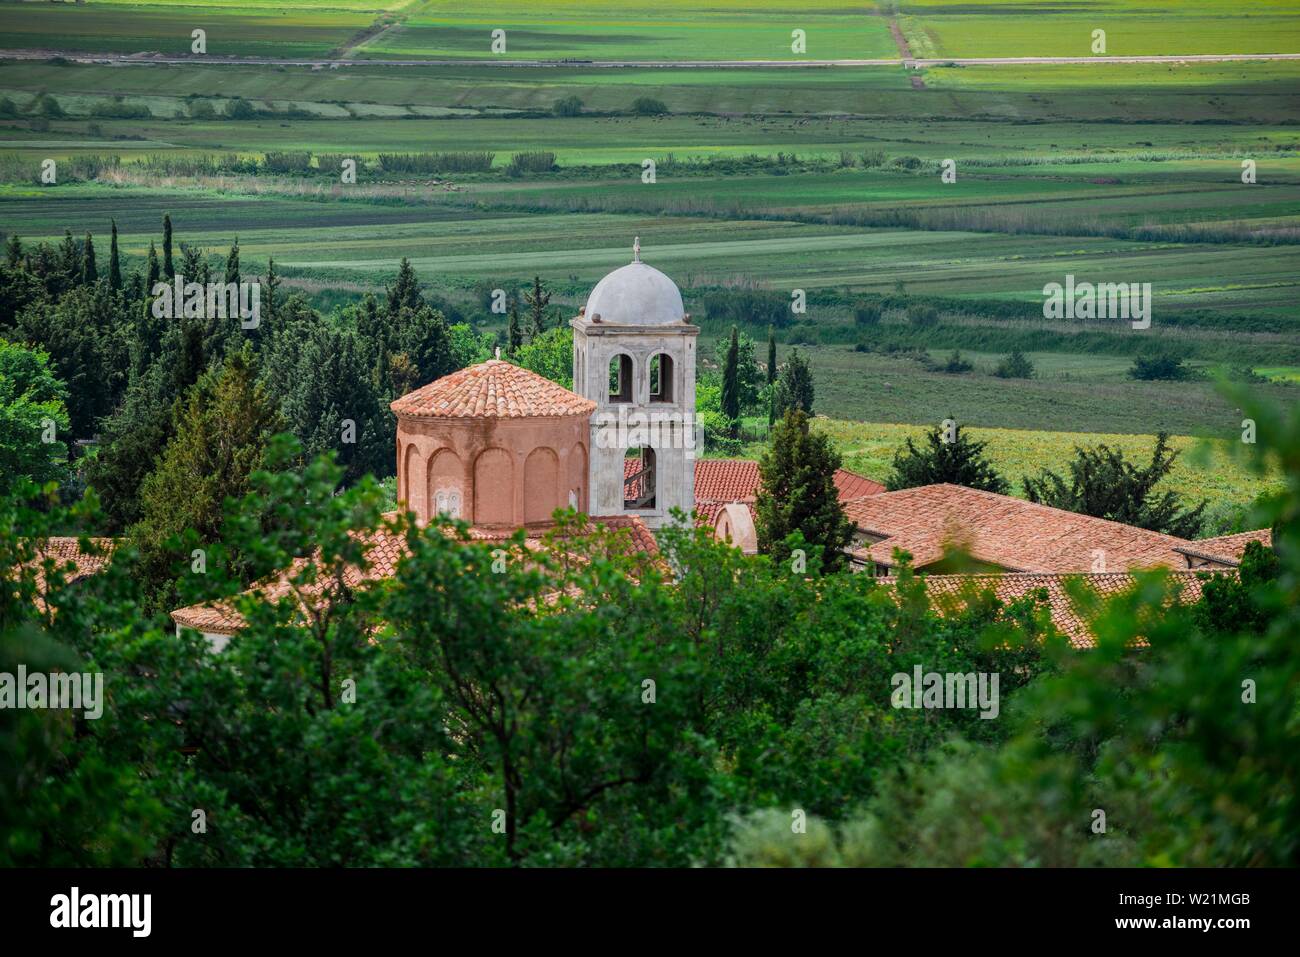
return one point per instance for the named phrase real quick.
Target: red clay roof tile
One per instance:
(492, 389)
(1004, 531)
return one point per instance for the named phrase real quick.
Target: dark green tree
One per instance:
(538, 299)
(797, 494)
(114, 262)
(168, 267)
(271, 290)
(794, 387)
(232, 263)
(514, 335)
(1104, 484)
(404, 293)
(948, 455)
(730, 379)
(151, 272)
(221, 430)
(89, 271)
(1015, 366)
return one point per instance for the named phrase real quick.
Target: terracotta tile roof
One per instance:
(737, 480)
(492, 389)
(1226, 549)
(384, 551)
(950, 593)
(66, 554)
(1004, 531)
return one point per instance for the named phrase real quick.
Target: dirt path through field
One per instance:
(147, 58)
(372, 32)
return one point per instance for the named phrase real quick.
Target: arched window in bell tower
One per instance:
(661, 377)
(639, 478)
(620, 378)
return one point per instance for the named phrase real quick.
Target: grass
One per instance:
(243, 29)
(1014, 28)
(623, 29)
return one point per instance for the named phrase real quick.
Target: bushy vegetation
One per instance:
(435, 163)
(1104, 484)
(949, 455)
(594, 712)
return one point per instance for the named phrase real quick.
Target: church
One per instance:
(502, 448)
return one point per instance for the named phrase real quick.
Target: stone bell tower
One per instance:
(634, 356)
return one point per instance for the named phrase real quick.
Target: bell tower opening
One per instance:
(620, 378)
(661, 377)
(639, 479)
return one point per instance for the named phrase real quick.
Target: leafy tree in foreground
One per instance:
(946, 456)
(1103, 484)
(31, 401)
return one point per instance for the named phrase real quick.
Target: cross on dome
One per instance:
(636, 249)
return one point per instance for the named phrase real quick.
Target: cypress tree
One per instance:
(13, 250)
(168, 269)
(70, 257)
(232, 263)
(537, 300)
(114, 262)
(514, 335)
(89, 271)
(152, 273)
(794, 387)
(272, 285)
(730, 379)
(797, 494)
(404, 293)
(771, 355)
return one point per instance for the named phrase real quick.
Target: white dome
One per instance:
(636, 295)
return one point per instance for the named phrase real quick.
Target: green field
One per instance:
(619, 29)
(256, 28)
(822, 180)
(1018, 28)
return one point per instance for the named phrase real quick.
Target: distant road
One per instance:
(140, 58)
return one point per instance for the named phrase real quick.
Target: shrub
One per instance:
(1159, 367)
(240, 109)
(467, 162)
(866, 313)
(922, 316)
(1015, 366)
(568, 106)
(120, 110)
(648, 106)
(296, 161)
(536, 161)
(955, 364)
